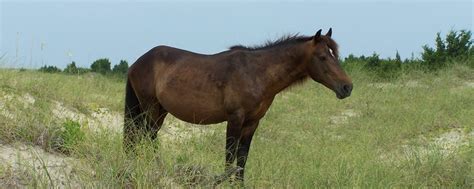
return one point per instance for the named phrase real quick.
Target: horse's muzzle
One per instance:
(344, 91)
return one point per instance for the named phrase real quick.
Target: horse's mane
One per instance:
(284, 40)
(287, 40)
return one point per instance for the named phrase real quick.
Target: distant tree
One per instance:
(397, 57)
(433, 58)
(456, 46)
(82, 70)
(71, 68)
(121, 68)
(101, 66)
(49, 69)
(429, 55)
(373, 61)
(440, 46)
(350, 58)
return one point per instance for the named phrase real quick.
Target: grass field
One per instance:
(412, 131)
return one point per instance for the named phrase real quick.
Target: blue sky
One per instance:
(34, 33)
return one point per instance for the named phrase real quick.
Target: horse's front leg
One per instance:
(248, 129)
(234, 129)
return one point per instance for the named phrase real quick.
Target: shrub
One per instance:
(71, 68)
(389, 68)
(82, 70)
(101, 66)
(70, 134)
(49, 69)
(373, 62)
(121, 68)
(456, 47)
(382, 68)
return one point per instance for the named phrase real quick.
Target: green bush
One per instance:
(73, 69)
(82, 70)
(455, 47)
(101, 66)
(382, 68)
(373, 62)
(49, 69)
(121, 68)
(70, 134)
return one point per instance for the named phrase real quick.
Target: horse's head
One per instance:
(324, 66)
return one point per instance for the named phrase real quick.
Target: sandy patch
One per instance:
(174, 129)
(409, 84)
(101, 118)
(415, 84)
(382, 85)
(4, 111)
(8, 103)
(104, 118)
(6, 99)
(445, 144)
(22, 163)
(343, 117)
(61, 112)
(27, 100)
(450, 141)
(469, 84)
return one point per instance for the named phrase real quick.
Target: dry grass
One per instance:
(414, 131)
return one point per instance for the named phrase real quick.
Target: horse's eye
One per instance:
(322, 58)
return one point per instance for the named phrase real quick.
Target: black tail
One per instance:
(133, 117)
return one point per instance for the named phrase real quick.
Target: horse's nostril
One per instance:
(347, 88)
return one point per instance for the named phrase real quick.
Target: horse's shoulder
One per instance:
(237, 55)
(168, 54)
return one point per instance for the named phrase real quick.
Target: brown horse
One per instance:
(237, 86)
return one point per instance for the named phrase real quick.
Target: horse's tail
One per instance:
(132, 118)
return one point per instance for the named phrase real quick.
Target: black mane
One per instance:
(282, 41)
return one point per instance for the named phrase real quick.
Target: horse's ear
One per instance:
(318, 34)
(329, 32)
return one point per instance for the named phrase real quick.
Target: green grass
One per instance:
(308, 138)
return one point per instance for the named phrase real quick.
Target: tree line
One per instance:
(102, 66)
(455, 48)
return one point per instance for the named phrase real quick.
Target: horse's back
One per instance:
(190, 86)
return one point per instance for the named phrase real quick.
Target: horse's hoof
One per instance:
(226, 175)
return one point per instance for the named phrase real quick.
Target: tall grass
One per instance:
(381, 136)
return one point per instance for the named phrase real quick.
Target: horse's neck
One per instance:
(284, 68)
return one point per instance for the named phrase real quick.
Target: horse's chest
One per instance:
(261, 109)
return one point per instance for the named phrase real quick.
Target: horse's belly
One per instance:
(193, 110)
(198, 119)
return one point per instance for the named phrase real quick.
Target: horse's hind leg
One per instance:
(133, 118)
(155, 119)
